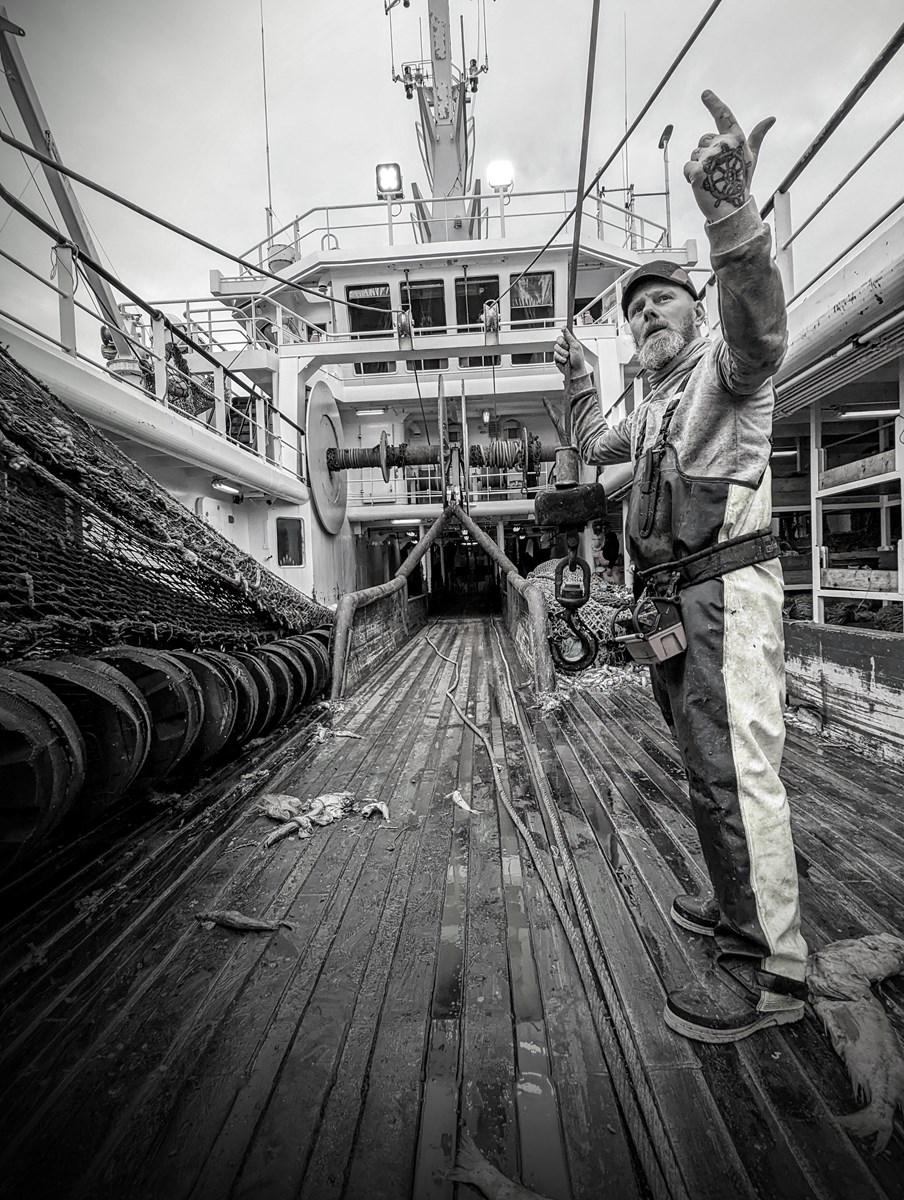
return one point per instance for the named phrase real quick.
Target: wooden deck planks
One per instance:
(427, 985)
(597, 1142)
(778, 1095)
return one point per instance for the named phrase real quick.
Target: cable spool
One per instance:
(42, 763)
(282, 681)
(173, 696)
(113, 718)
(324, 635)
(502, 454)
(247, 696)
(267, 705)
(317, 661)
(220, 706)
(295, 665)
(322, 656)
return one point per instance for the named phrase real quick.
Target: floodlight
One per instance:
(501, 176)
(221, 485)
(389, 181)
(868, 414)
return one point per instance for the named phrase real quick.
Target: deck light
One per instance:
(371, 412)
(221, 485)
(389, 181)
(783, 454)
(501, 176)
(485, 415)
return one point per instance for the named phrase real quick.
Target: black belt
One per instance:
(717, 560)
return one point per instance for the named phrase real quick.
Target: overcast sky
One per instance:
(162, 102)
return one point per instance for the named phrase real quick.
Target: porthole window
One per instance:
(290, 541)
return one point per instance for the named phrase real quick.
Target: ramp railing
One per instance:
(524, 609)
(371, 624)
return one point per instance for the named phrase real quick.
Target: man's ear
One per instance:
(699, 313)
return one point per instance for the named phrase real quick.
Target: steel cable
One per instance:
(192, 237)
(701, 25)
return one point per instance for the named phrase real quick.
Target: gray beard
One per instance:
(660, 348)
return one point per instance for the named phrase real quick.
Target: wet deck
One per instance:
(426, 983)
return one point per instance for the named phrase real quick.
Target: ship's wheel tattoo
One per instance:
(726, 177)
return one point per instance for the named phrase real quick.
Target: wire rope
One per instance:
(850, 175)
(579, 210)
(391, 47)
(676, 62)
(102, 271)
(253, 268)
(853, 245)
(420, 398)
(31, 172)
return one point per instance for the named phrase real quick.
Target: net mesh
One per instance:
(92, 550)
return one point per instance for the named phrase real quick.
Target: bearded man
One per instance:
(698, 531)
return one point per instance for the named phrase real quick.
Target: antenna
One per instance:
(625, 79)
(266, 128)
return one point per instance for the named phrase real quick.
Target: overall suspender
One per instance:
(651, 467)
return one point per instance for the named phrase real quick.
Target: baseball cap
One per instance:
(659, 268)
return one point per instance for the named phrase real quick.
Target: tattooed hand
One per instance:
(721, 168)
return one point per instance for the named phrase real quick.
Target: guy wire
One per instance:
(254, 268)
(579, 211)
(701, 25)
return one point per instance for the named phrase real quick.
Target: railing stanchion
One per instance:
(66, 279)
(158, 344)
(219, 403)
(784, 254)
(260, 427)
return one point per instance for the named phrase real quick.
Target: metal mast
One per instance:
(26, 98)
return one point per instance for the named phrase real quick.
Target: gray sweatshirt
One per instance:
(716, 482)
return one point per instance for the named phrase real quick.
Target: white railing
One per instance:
(200, 393)
(528, 215)
(423, 485)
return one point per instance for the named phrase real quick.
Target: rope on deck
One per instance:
(638, 1103)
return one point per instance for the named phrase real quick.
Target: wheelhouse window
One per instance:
(290, 541)
(372, 319)
(533, 307)
(427, 302)
(471, 295)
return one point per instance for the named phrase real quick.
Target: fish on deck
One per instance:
(231, 919)
(472, 1167)
(840, 978)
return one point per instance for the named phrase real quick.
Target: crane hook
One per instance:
(589, 645)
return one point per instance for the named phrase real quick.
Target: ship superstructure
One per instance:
(459, 927)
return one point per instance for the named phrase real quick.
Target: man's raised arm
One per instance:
(751, 297)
